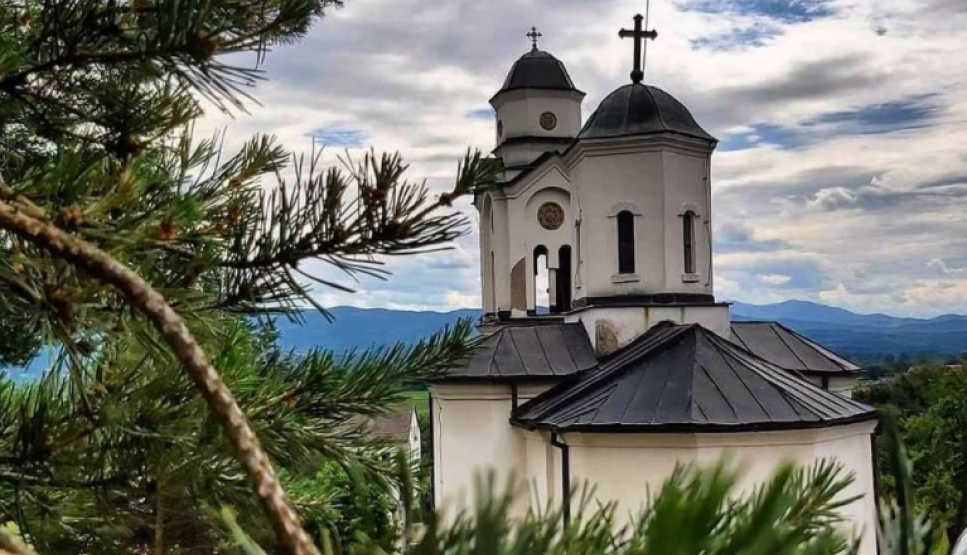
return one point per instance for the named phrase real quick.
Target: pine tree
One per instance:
(133, 248)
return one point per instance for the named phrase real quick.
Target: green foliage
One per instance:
(347, 506)
(114, 451)
(150, 458)
(929, 405)
(696, 511)
(903, 529)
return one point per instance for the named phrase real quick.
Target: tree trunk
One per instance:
(159, 520)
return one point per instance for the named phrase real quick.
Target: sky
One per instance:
(841, 172)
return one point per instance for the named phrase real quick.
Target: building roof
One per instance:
(393, 426)
(638, 109)
(523, 352)
(790, 350)
(685, 378)
(538, 69)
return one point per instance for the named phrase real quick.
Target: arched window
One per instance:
(493, 282)
(688, 241)
(626, 242)
(563, 279)
(541, 285)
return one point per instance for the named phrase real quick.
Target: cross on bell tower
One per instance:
(639, 36)
(534, 35)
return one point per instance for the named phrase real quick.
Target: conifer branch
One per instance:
(12, 545)
(152, 304)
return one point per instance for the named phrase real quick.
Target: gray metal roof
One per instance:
(538, 70)
(790, 350)
(686, 379)
(638, 109)
(528, 352)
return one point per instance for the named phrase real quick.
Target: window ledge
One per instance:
(625, 278)
(691, 278)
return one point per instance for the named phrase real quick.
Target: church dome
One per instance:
(638, 109)
(538, 70)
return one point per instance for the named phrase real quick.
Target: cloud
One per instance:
(841, 165)
(757, 35)
(738, 237)
(338, 137)
(762, 134)
(941, 267)
(481, 113)
(888, 116)
(787, 11)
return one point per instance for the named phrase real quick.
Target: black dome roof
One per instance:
(538, 70)
(638, 109)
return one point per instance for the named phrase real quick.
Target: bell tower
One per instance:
(538, 109)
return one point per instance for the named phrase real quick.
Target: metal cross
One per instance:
(534, 35)
(639, 35)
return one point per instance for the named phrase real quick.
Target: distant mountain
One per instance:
(359, 328)
(864, 337)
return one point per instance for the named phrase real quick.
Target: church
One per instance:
(607, 359)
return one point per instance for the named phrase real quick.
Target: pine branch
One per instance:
(275, 501)
(12, 545)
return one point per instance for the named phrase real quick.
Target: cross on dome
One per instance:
(534, 35)
(639, 36)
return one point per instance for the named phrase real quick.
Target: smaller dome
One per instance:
(638, 109)
(538, 70)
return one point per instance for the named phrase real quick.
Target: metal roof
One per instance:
(638, 109)
(678, 378)
(790, 350)
(527, 352)
(538, 70)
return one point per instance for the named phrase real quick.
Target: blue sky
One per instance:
(841, 176)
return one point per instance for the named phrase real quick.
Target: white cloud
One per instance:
(851, 182)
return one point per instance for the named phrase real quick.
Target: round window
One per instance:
(548, 121)
(550, 215)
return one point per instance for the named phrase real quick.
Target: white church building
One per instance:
(635, 367)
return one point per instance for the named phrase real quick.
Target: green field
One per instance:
(421, 400)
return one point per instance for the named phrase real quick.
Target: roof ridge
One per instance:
(821, 348)
(713, 337)
(778, 374)
(568, 389)
(788, 346)
(493, 360)
(654, 100)
(715, 384)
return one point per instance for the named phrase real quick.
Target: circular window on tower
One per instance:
(550, 215)
(548, 121)
(500, 128)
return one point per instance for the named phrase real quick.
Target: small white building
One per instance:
(397, 427)
(637, 367)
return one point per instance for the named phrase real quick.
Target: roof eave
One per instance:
(517, 378)
(694, 428)
(502, 91)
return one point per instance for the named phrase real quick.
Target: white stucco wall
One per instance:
(843, 385)
(472, 436)
(414, 442)
(519, 112)
(624, 467)
(516, 233)
(657, 178)
(629, 322)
